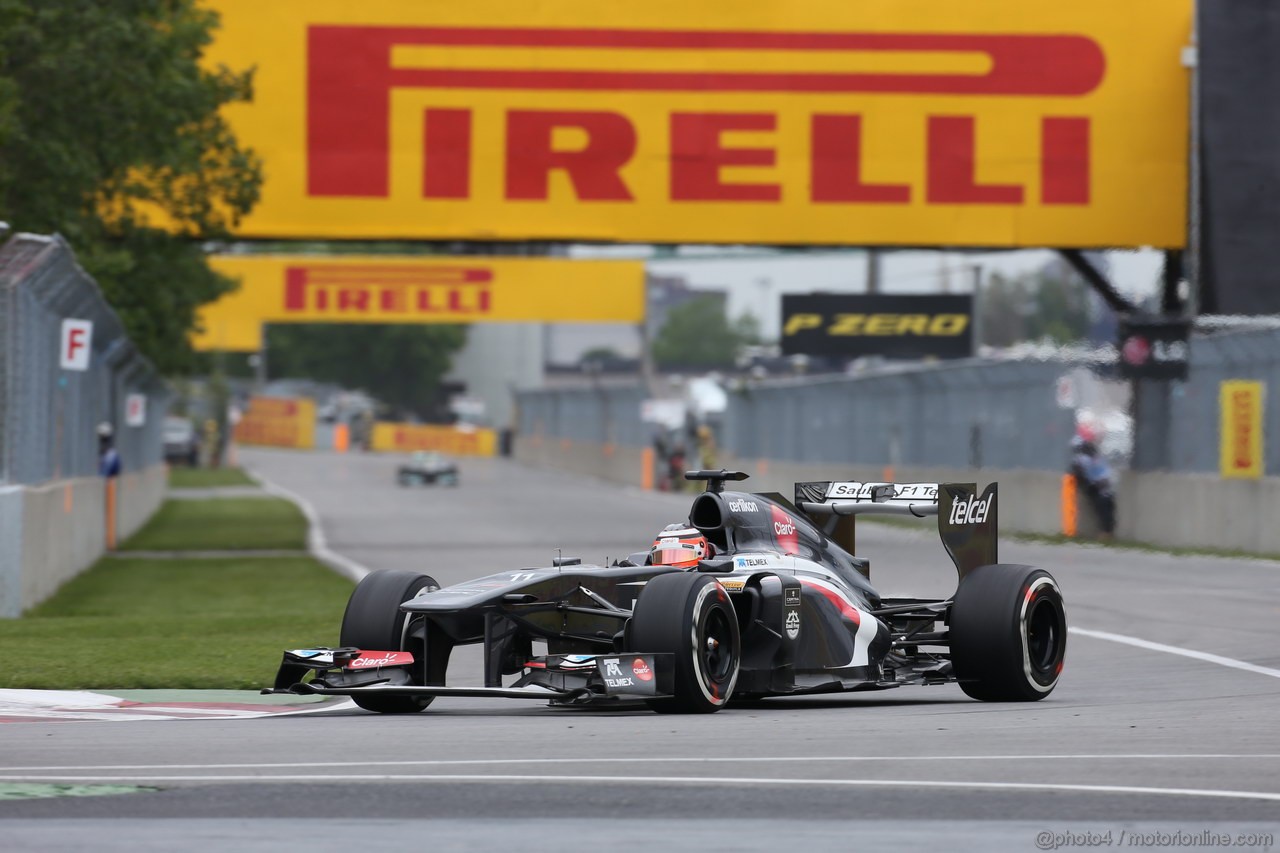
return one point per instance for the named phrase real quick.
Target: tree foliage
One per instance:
(401, 365)
(1033, 307)
(109, 124)
(698, 335)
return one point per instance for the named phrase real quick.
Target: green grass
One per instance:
(208, 624)
(222, 523)
(207, 478)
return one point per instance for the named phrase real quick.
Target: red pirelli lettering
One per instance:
(350, 78)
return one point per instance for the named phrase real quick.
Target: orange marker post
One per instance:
(111, 513)
(1069, 509)
(646, 469)
(341, 438)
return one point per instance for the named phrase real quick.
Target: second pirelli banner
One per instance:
(415, 289)
(853, 325)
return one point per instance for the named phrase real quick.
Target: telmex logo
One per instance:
(348, 289)
(925, 325)
(353, 71)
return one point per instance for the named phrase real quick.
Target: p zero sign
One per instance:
(890, 326)
(985, 123)
(415, 289)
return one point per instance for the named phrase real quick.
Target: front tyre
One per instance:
(1008, 633)
(689, 616)
(374, 621)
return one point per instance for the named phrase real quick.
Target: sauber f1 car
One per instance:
(782, 607)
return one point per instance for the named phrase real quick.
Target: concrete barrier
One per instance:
(1170, 510)
(52, 532)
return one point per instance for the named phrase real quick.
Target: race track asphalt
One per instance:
(1137, 737)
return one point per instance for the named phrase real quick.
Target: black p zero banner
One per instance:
(854, 325)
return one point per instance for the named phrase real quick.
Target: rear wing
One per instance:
(967, 521)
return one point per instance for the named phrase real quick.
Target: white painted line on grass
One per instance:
(1175, 650)
(717, 781)
(776, 759)
(316, 543)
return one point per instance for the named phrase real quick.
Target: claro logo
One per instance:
(353, 72)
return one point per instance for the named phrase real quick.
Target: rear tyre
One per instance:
(1008, 633)
(374, 621)
(689, 615)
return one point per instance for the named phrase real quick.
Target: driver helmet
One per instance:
(680, 546)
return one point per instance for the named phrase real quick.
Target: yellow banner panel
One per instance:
(455, 441)
(1241, 435)
(278, 422)
(894, 122)
(415, 289)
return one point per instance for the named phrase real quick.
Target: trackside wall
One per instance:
(1168, 510)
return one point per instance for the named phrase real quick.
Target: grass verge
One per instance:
(222, 523)
(199, 624)
(207, 478)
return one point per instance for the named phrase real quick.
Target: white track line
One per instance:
(1174, 650)
(718, 781)
(800, 759)
(316, 543)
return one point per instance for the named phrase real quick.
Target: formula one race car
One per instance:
(782, 607)
(425, 469)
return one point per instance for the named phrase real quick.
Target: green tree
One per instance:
(697, 335)
(1033, 306)
(109, 125)
(401, 365)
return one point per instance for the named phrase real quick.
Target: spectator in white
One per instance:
(108, 456)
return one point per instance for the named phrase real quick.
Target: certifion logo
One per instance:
(743, 505)
(353, 71)
(379, 290)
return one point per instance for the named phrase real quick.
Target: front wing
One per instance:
(563, 679)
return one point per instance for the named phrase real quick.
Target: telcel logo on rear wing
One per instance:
(967, 520)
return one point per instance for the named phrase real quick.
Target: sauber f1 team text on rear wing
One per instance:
(966, 520)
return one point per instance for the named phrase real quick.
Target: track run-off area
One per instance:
(1165, 719)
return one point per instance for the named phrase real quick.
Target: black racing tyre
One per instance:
(690, 616)
(1008, 633)
(373, 620)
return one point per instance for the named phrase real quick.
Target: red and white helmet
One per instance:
(680, 546)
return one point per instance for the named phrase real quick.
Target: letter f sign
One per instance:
(77, 341)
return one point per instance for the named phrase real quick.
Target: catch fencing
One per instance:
(603, 414)
(969, 415)
(48, 416)
(1178, 423)
(57, 516)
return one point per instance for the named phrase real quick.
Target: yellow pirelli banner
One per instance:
(909, 122)
(415, 289)
(1241, 404)
(453, 440)
(278, 422)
